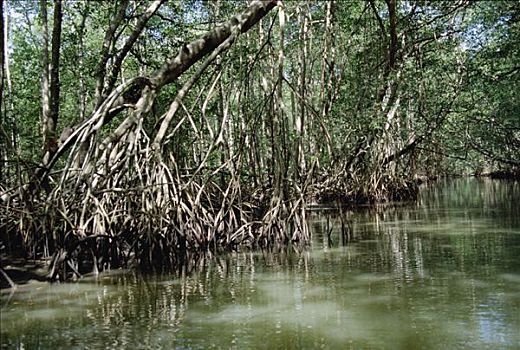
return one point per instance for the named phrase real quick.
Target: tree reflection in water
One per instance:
(442, 272)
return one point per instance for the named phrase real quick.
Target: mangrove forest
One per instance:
(243, 174)
(146, 134)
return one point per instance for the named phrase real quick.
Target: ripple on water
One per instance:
(511, 278)
(372, 277)
(315, 292)
(173, 282)
(51, 301)
(474, 283)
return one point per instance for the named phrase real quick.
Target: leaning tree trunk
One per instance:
(148, 87)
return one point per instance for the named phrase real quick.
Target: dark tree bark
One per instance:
(51, 120)
(55, 67)
(1, 54)
(2, 119)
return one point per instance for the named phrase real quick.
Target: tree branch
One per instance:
(193, 52)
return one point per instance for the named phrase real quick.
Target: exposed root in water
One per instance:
(125, 205)
(349, 188)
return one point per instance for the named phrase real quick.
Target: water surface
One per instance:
(440, 273)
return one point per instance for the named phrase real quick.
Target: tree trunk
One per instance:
(392, 52)
(55, 68)
(300, 119)
(326, 80)
(118, 60)
(82, 91)
(193, 52)
(51, 121)
(2, 42)
(10, 134)
(108, 42)
(3, 136)
(279, 135)
(46, 108)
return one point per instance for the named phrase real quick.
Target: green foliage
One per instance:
(454, 86)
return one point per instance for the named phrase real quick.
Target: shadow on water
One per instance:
(442, 272)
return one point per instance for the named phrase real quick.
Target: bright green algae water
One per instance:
(442, 273)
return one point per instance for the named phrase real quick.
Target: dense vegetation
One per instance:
(139, 131)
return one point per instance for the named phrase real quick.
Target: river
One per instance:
(439, 273)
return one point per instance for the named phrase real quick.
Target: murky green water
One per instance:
(443, 273)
